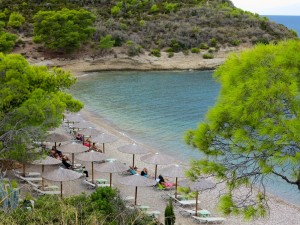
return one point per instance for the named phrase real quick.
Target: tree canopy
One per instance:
(63, 30)
(252, 132)
(32, 100)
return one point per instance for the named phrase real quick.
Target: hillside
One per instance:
(149, 26)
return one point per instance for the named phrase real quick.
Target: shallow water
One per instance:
(156, 108)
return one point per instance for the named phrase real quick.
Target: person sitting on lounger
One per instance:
(95, 148)
(145, 173)
(164, 183)
(133, 170)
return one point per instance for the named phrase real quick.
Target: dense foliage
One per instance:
(251, 135)
(63, 30)
(155, 24)
(32, 100)
(80, 209)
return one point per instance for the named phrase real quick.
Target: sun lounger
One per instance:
(186, 202)
(191, 212)
(213, 220)
(46, 187)
(154, 213)
(91, 185)
(41, 192)
(34, 179)
(28, 174)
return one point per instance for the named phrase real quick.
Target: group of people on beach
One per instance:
(160, 180)
(87, 142)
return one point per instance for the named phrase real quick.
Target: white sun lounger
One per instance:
(191, 212)
(28, 178)
(92, 185)
(187, 202)
(28, 174)
(46, 188)
(41, 192)
(213, 220)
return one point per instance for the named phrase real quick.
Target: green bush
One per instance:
(169, 214)
(115, 10)
(213, 42)
(203, 46)
(212, 50)
(235, 42)
(106, 42)
(16, 20)
(170, 54)
(186, 52)
(155, 52)
(195, 50)
(208, 56)
(7, 41)
(134, 50)
(63, 30)
(154, 8)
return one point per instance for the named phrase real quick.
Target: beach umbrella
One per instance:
(133, 149)
(72, 118)
(137, 181)
(60, 175)
(46, 161)
(103, 138)
(157, 159)
(198, 185)
(83, 125)
(91, 156)
(73, 148)
(57, 137)
(111, 167)
(176, 171)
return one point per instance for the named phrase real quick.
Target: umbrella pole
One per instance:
(103, 148)
(24, 169)
(176, 182)
(110, 179)
(42, 177)
(73, 160)
(135, 196)
(133, 160)
(61, 189)
(196, 211)
(155, 170)
(92, 172)
(55, 146)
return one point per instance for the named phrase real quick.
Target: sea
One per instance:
(157, 108)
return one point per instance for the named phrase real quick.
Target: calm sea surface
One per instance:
(291, 22)
(156, 108)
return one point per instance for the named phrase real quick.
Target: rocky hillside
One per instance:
(159, 25)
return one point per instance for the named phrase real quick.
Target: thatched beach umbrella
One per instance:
(157, 159)
(137, 181)
(73, 148)
(133, 149)
(103, 138)
(199, 185)
(92, 156)
(176, 171)
(60, 175)
(111, 167)
(46, 161)
(57, 137)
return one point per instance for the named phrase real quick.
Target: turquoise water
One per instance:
(154, 108)
(291, 22)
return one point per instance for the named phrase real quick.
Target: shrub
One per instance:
(203, 46)
(213, 42)
(235, 42)
(170, 54)
(169, 214)
(155, 52)
(212, 50)
(154, 8)
(106, 42)
(185, 52)
(195, 50)
(115, 10)
(134, 50)
(63, 30)
(7, 41)
(208, 56)
(16, 20)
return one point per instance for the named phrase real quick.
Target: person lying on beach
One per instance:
(164, 183)
(95, 148)
(145, 173)
(133, 170)
(78, 136)
(87, 143)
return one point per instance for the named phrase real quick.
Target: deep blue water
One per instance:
(291, 22)
(156, 108)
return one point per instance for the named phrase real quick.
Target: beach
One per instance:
(280, 212)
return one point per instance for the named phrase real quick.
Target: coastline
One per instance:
(282, 212)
